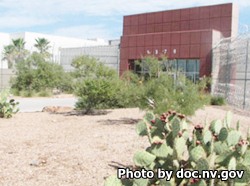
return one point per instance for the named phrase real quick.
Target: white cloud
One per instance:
(86, 31)
(27, 13)
(24, 22)
(99, 7)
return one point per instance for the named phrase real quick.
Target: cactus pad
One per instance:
(223, 134)
(176, 127)
(141, 128)
(202, 164)
(233, 137)
(197, 153)
(228, 120)
(161, 150)
(207, 137)
(232, 164)
(180, 147)
(143, 158)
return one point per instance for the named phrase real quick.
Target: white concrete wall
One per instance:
(56, 42)
(235, 20)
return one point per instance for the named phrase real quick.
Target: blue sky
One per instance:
(90, 18)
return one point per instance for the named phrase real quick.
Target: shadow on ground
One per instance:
(117, 165)
(70, 111)
(122, 121)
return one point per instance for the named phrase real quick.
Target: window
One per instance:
(193, 69)
(181, 65)
(137, 68)
(190, 67)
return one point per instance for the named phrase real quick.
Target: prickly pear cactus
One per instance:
(7, 107)
(214, 146)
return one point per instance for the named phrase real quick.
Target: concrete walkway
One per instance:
(37, 104)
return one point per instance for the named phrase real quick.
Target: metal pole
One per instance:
(227, 72)
(245, 83)
(118, 60)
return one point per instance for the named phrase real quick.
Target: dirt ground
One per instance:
(59, 149)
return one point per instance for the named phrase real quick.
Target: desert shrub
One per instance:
(162, 91)
(44, 93)
(131, 90)
(7, 107)
(66, 83)
(150, 67)
(27, 93)
(218, 100)
(96, 94)
(173, 146)
(96, 85)
(89, 67)
(167, 93)
(130, 95)
(130, 77)
(205, 84)
(35, 74)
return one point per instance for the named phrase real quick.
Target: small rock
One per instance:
(34, 163)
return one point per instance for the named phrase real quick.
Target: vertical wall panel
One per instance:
(189, 31)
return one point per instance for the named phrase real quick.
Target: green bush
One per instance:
(66, 83)
(131, 90)
(96, 94)
(96, 85)
(173, 146)
(218, 100)
(150, 66)
(35, 74)
(167, 93)
(162, 91)
(44, 93)
(89, 67)
(130, 77)
(7, 107)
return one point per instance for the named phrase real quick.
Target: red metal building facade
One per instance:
(187, 33)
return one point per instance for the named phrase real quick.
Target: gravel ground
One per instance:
(68, 150)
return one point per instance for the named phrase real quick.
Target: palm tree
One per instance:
(8, 55)
(15, 52)
(19, 44)
(19, 49)
(42, 45)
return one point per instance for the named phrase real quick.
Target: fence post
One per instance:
(227, 73)
(118, 60)
(245, 81)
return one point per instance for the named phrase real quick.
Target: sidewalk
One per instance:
(37, 104)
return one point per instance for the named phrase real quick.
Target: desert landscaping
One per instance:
(143, 94)
(63, 148)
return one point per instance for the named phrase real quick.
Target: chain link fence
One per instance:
(231, 71)
(5, 74)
